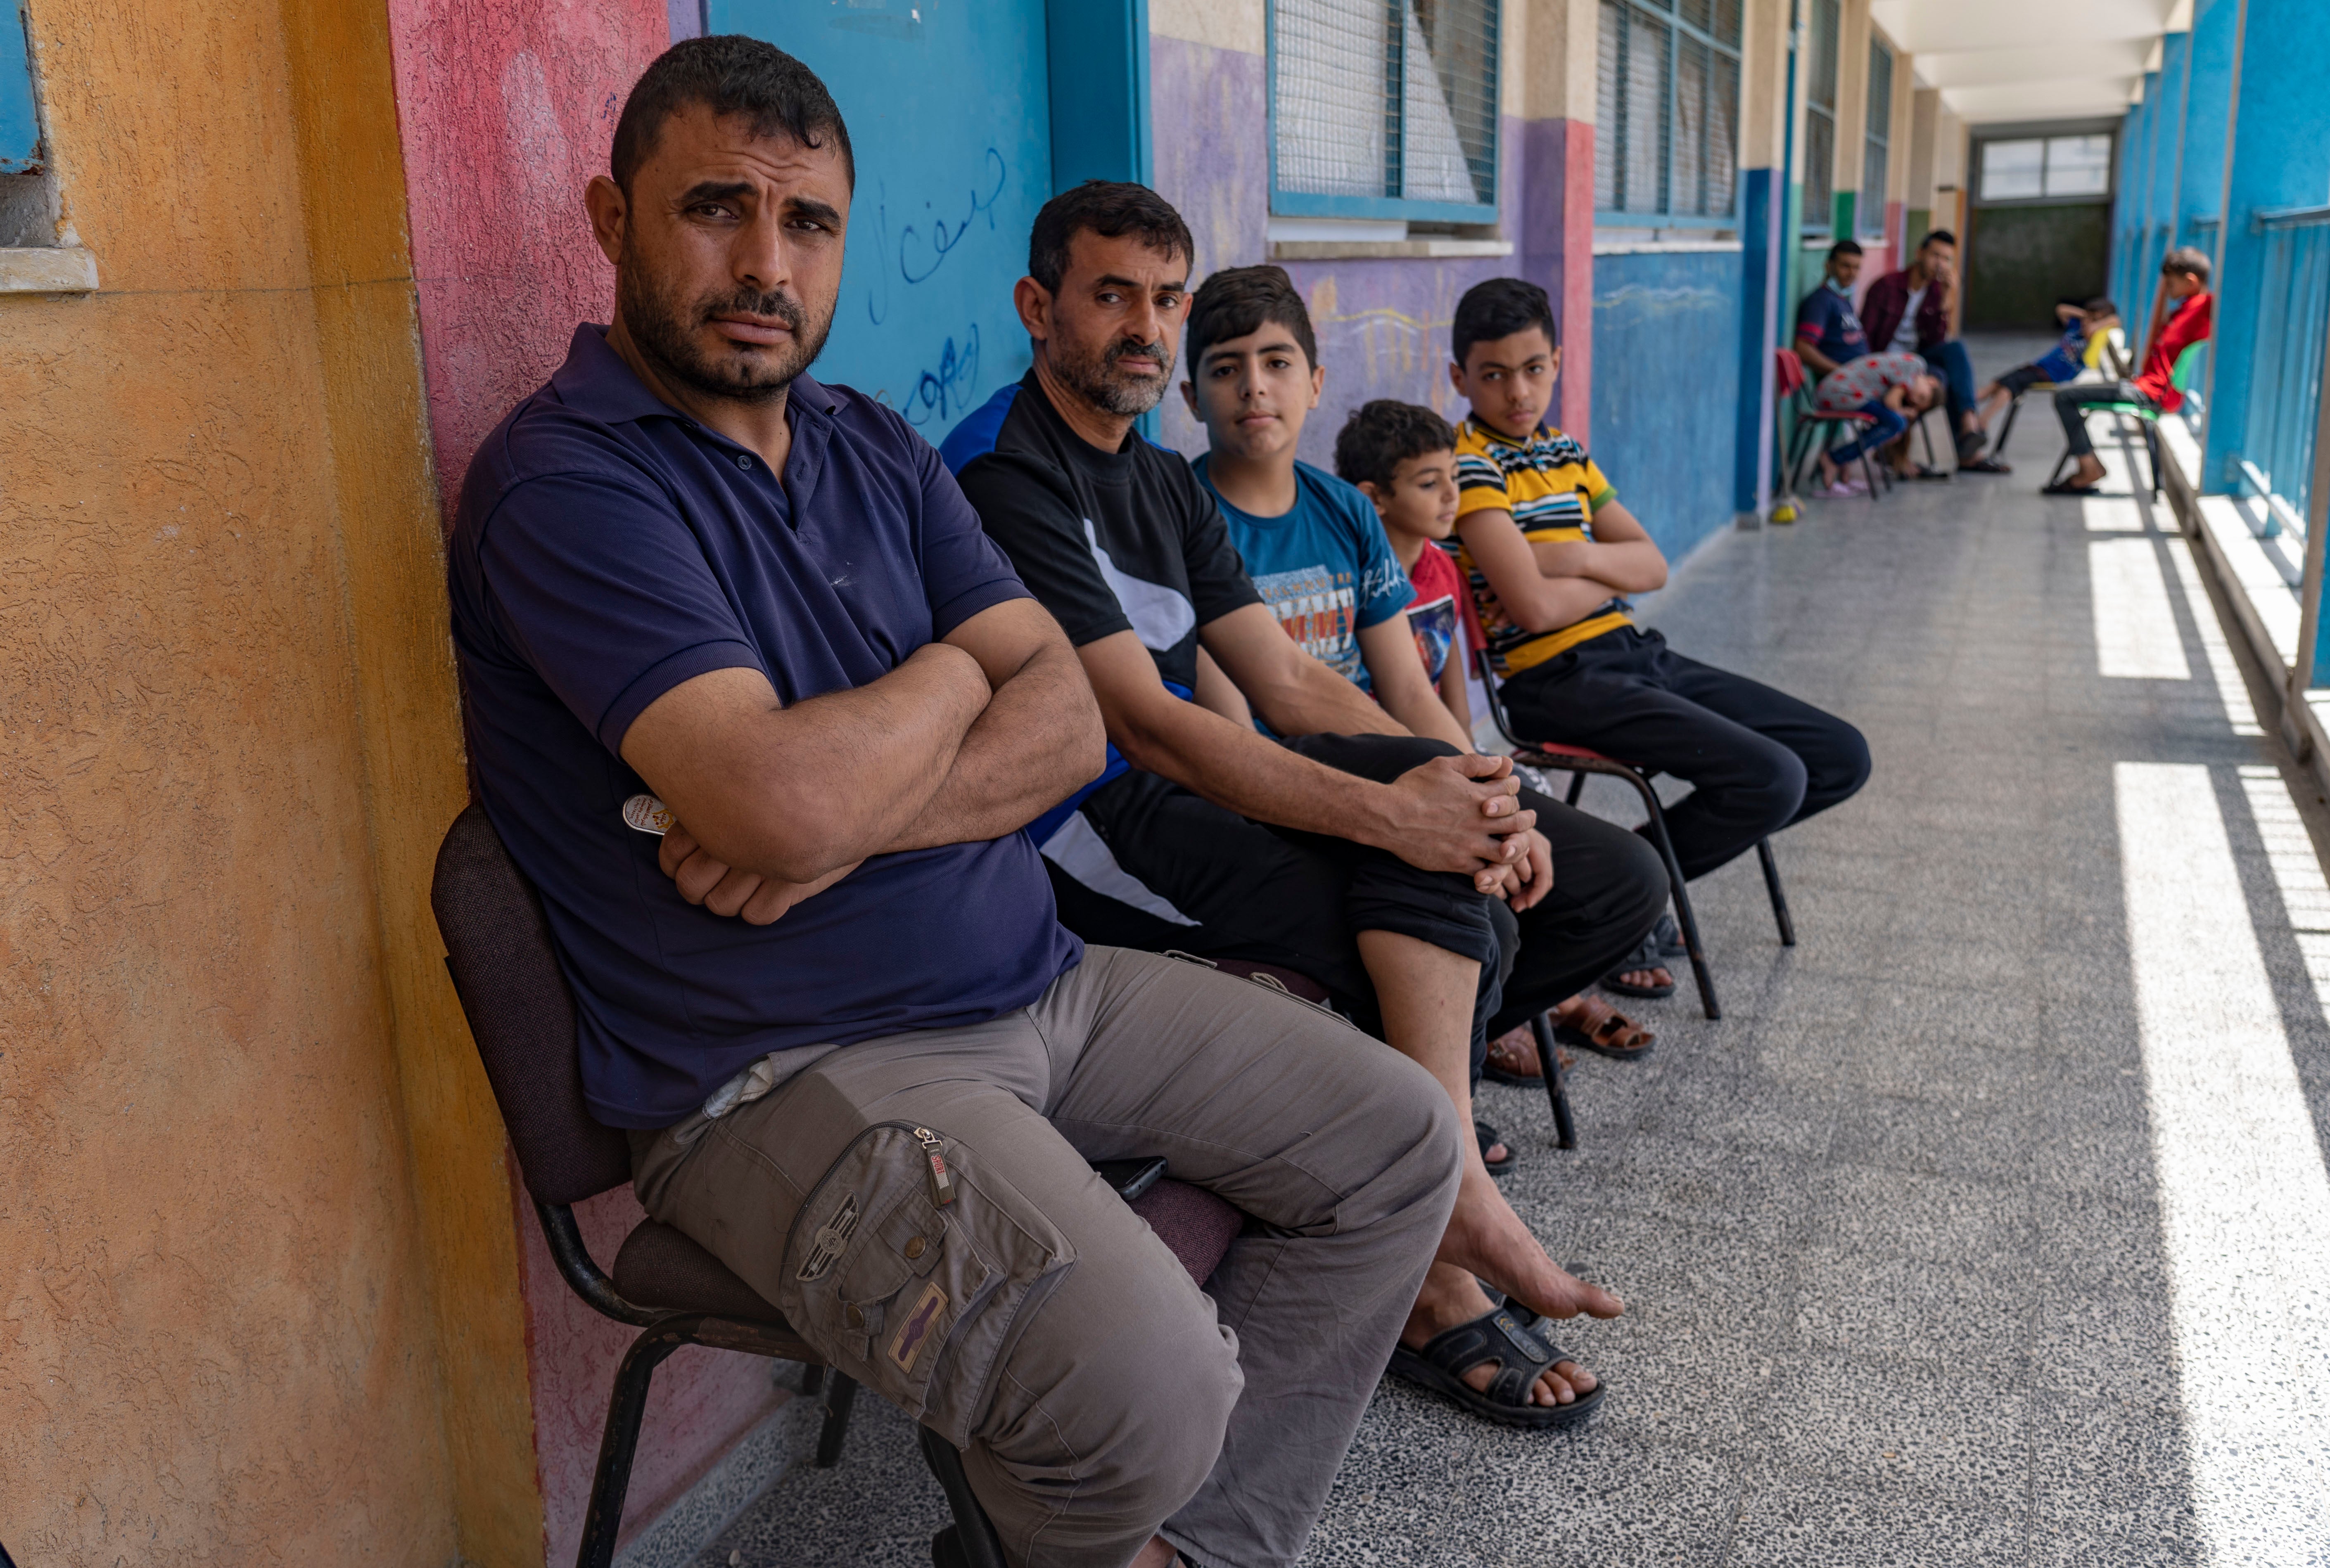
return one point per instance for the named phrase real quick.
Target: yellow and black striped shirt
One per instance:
(1552, 489)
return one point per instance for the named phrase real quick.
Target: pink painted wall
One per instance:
(506, 111)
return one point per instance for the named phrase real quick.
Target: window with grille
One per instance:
(1384, 109)
(1666, 145)
(2042, 168)
(1878, 143)
(1820, 120)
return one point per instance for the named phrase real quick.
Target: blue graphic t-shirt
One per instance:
(1324, 568)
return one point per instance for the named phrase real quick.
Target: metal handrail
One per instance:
(2291, 218)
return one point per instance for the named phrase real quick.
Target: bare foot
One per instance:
(1486, 1241)
(1649, 979)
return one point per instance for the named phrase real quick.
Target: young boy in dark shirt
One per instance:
(1551, 555)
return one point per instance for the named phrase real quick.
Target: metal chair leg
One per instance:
(2152, 452)
(1576, 788)
(1685, 919)
(603, 1519)
(841, 1393)
(970, 1541)
(1779, 900)
(2006, 430)
(1565, 1130)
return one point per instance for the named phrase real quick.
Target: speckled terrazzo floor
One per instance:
(1891, 1230)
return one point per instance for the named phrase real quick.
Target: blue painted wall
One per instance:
(20, 124)
(1666, 389)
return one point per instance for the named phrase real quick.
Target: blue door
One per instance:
(950, 118)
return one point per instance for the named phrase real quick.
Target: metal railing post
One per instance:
(2304, 673)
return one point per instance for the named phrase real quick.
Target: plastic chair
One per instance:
(1577, 761)
(522, 1017)
(2147, 415)
(1788, 371)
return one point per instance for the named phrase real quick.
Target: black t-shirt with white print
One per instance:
(1107, 542)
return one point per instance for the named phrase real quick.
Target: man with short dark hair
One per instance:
(1909, 312)
(2183, 314)
(1828, 332)
(697, 595)
(1350, 851)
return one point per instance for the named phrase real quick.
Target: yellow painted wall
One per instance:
(229, 1312)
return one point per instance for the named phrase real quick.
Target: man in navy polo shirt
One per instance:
(761, 711)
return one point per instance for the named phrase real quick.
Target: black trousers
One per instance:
(1757, 760)
(2073, 403)
(1297, 899)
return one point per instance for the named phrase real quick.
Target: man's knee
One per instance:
(1767, 790)
(1839, 767)
(1109, 1411)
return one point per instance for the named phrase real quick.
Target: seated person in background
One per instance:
(1311, 539)
(1909, 312)
(1889, 388)
(1550, 553)
(1350, 851)
(2181, 312)
(684, 569)
(2084, 326)
(1403, 457)
(1828, 332)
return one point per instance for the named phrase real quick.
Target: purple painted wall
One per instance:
(1382, 325)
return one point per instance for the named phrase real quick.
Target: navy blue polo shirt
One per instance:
(1826, 320)
(608, 548)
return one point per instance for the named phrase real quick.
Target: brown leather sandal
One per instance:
(1593, 1025)
(1512, 1059)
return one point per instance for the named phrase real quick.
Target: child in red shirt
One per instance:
(1403, 457)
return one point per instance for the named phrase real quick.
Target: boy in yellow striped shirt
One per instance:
(1550, 554)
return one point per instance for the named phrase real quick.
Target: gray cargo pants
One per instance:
(1024, 1312)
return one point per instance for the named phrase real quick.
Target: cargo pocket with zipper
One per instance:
(909, 1256)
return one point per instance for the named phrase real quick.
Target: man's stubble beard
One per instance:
(1092, 376)
(664, 330)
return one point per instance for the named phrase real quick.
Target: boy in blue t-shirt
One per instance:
(2083, 325)
(1312, 543)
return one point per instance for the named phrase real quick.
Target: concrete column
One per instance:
(2167, 149)
(1556, 59)
(1769, 196)
(1897, 149)
(1851, 115)
(2279, 156)
(1925, 108)
(2208, 111)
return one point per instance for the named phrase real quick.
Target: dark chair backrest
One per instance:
(521, 1014)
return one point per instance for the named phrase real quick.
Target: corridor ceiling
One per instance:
(2033, 59)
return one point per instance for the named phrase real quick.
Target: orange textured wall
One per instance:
(227, 742)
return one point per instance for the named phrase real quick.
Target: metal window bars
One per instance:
(1667, 88)
(1386, 100)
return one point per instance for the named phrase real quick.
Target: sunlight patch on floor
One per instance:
(2225, 673)
(2136, 630)
(2245, 1201)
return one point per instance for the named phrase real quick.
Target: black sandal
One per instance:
(1663, 944)
(1522, 1356)
(1490, 1137)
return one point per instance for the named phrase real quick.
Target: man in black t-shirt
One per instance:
(1350, 851)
